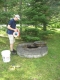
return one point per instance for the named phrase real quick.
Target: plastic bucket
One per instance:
(6, 55)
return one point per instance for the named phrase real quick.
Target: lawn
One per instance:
(20, 68)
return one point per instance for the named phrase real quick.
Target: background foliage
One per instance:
(32, 12)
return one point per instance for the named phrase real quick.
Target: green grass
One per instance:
(44, 68)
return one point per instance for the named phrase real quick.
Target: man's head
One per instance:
(16, 17)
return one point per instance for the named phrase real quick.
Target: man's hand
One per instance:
(15, 30)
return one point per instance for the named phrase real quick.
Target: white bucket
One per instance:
(6, 55)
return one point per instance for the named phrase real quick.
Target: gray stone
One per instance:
(30, 50)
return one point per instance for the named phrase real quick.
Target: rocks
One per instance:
(32, 50)
(40, 43)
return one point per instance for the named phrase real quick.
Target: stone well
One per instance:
(32, 50)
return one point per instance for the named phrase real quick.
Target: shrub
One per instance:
(33, 34)
(30, 38)
(4, 28)
(32, 31)
(30, 34)
(46, 34)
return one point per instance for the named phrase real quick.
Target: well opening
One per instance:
(32, 46)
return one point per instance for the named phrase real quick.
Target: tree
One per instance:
(39, 12)
(8, 9)
(32, 12)
(20, 10)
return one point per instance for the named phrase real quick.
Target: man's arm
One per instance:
(11, 28)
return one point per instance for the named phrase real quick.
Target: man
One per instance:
(11, 28)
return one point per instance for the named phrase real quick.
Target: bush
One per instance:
(30, 34)
(32, 31)
(33, 34)
(46, 34)
(30, 38)
(3, 28)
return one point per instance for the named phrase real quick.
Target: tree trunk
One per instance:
(20, 16)
(44, 27)
(5, 6)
